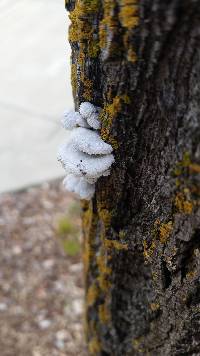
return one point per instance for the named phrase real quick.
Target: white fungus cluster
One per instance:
(85, 156)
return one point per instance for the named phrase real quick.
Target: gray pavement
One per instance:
(34, 90)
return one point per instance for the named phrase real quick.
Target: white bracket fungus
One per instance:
(85, 156)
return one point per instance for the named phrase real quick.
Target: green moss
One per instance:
(72, 246)
(66, 227)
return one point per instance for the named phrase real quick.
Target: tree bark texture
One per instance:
(140, 62)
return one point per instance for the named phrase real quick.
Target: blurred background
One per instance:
(41, 283)
(34, 89)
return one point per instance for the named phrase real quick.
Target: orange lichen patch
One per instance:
(102, 264)
(164, 231)
(194, 168)
(108, 23)
(154, 276)
(148, 250)
(160, 233)
(131, 56)
(81, 60)
(94, 346)
(191, 275)
(137, 345)
(114, 244)
(92, 294)
(114, 107)
(81, 31)
(87, 255)
(88, 89)
(184, 163)
(89, 221)
(195, 190)
(113, 142)
(93, 49)
(182, 204)
(104, 313)
(129, 18)
(154, 306)
(105, 216)
(108, 114)
(74, 78)
(104, 273)
(128, 14)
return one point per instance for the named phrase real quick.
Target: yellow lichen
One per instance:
(88, 89)
(81, 31)
(129, 18)
(182, 165)
(165, 231)
(103, 266)
(137, 345)
(104, 273)
(128, 14)
(89, 221)
(194, 168)
(154, 276)
(191, 274)
(148, 250)
(154, 306)
(105, 216)
(109, 113)
(131, 55)
(94, 346)
(92, 294)
(186, 198)
(93, 49)
(108, 23)
(74, 79)
(104, 313)
(182, 204)
(114, 244)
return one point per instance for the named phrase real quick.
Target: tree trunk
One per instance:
(140, 61)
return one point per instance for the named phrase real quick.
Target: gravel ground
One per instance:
(41, 288)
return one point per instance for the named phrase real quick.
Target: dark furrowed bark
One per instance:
(141, 63)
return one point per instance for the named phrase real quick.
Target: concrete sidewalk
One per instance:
(34, 90)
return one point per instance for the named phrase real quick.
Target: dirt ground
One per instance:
(41, 281)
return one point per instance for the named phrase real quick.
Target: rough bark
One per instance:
(140, 61)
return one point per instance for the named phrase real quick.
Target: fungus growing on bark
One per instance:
(91, 114)
(85, 156)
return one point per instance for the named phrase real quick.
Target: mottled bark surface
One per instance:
(141, 63)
